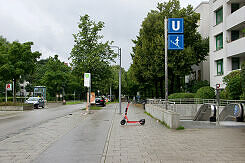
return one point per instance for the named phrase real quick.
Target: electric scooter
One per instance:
(125, 118)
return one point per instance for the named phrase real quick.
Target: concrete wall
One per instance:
(171, 118)
(11, 108)
(187, 111)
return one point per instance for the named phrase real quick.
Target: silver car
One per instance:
(36, 101)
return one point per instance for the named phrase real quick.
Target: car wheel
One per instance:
(36, 106)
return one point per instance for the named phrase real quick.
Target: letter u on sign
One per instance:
(175, 25)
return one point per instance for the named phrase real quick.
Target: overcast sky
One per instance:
(51, 23)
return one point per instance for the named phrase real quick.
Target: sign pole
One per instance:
(6, 94)
(13, 90)
(89, 94)
(166, 63)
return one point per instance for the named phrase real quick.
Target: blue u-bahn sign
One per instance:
(176, 36)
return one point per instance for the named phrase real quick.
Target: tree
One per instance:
(17, 59)
(56, 77)
(89, 54)
(148, 52)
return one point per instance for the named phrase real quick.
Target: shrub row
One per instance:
(203, 93)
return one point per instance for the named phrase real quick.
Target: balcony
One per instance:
(234, 1)
(236, 18)
(236, 47)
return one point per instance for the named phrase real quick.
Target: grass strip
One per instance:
(73, 102)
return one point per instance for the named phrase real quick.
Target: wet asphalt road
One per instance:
(18, 122)
(84, 143)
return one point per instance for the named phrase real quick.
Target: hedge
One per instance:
(205, 93)
(181, 95)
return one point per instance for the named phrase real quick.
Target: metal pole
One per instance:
(120, 71)
(110, 93)
(218, 103)
(89, 94)
(166, 63)
(6, 93)
(13, 90)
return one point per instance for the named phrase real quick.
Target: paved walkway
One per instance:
(155, 143)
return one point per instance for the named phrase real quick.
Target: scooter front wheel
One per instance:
(142, 121)
(123, 122)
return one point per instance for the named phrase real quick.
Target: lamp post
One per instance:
(120, 72)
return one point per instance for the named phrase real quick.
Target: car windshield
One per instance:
(33, 99)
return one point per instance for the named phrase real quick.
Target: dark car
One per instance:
(100, 101)
(36, 101)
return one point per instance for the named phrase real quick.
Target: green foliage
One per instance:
(205, 93)
(181, 95)
(243, 79)
(148, 52)
(180, 128)
(56, 77)
(194, 85)
(16, 59)
(95, 108)
(73, 102)
(90, 55)
(234, 88)
(224, 94)
(233, 83)
(230, 76)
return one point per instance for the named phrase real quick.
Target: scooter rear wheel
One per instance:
(142, 121)
(123, 122)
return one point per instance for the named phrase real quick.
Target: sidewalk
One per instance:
(155, 143)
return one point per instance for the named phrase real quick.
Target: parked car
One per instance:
(111, 98)
(100, 101)
(36, 101)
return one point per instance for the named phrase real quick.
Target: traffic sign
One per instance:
(175, 25)
(87, 78)
(176, 42)
(9, 87)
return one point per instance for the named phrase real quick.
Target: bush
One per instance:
(224, 94)
(233, 85)
(205, 93)
(234, 88)
(194, 85)
(181, 95)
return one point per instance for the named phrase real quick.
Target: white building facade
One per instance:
(202, 70)
(227, 38)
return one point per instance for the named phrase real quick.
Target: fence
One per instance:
(194, 101)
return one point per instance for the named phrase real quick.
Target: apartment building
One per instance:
(227, 38)
(202, 71)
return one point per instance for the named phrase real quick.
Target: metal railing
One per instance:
(193, 101)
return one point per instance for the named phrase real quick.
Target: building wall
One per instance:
(231, 49)
(203, 29)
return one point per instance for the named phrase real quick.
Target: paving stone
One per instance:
(156, 143)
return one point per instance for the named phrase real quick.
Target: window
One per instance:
(234, 7)
(220, 67)
(234, 35)
(219, 41)
(219, 16)
(235, 63)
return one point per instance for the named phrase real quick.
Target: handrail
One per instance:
(223, 102)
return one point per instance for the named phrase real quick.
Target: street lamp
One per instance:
(120, 72)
